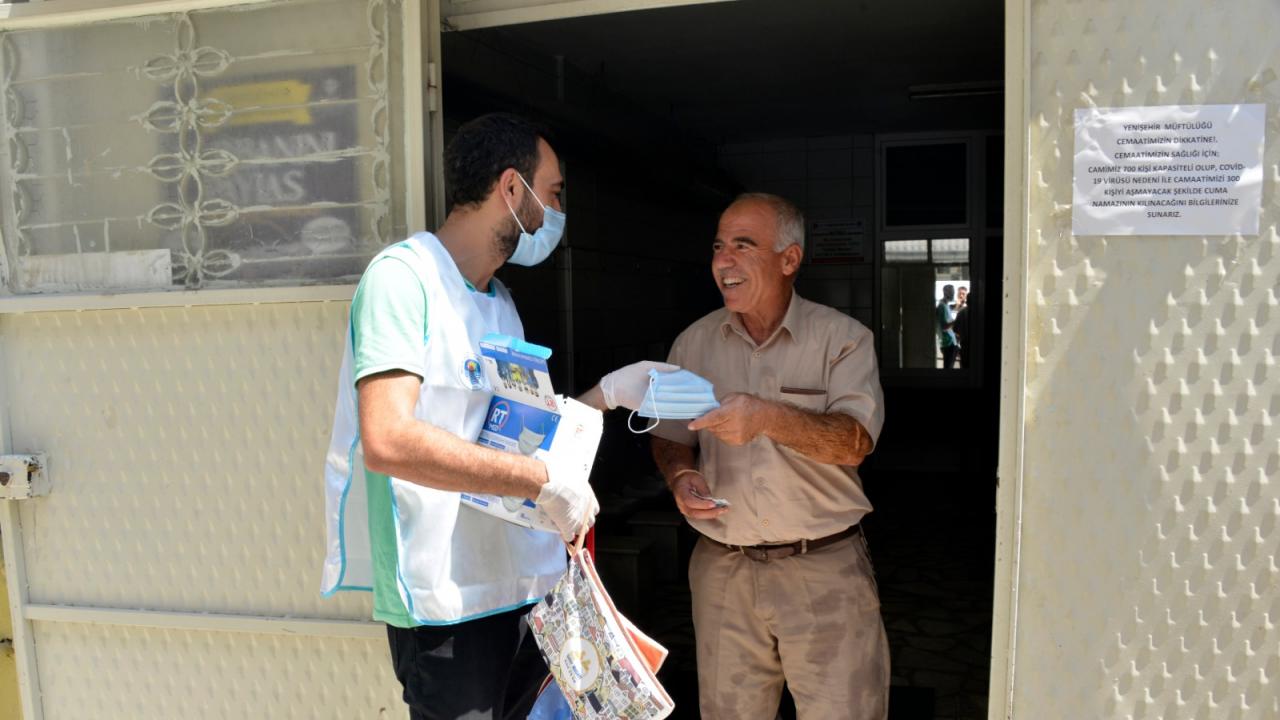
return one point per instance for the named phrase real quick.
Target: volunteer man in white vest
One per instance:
(452, 584)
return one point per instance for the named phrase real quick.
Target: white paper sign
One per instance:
(115, 270)
(1168, 170)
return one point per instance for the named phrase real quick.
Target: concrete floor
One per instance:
(935, 574)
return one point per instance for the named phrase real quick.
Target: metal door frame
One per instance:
(476, 14)
(1013, 357)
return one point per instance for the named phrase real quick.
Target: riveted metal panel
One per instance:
(186, 445)
(89, 671)
(186, 448)
(1147, 573)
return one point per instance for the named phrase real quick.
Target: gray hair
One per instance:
(790, 219)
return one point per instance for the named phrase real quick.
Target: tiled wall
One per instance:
(634, 272)
(829, 178)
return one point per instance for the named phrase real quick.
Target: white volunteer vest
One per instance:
(455, 564)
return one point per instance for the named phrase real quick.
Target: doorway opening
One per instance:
(883, 123)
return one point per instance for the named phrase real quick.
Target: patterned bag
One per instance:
(603, 664)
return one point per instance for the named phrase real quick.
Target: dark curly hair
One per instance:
(483, 149)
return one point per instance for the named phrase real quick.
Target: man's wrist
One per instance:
(595, 398)
(540, 477)
(865, 443)
(775, 415)
(671, 481)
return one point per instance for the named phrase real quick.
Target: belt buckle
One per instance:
(755, 553)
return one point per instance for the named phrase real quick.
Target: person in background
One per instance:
(945, 319)
(453, 585)
(961, 327)
(782, 584)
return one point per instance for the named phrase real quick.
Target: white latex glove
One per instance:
(567, 500)
(626, 386)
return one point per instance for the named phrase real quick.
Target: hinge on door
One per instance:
(23, 476)
(433, 87)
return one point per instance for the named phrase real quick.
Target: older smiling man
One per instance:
(782, 584)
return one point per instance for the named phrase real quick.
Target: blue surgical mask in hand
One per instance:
(675, 395)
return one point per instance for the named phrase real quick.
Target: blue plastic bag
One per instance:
(550, 704)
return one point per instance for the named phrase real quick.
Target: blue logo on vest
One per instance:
(471, 374)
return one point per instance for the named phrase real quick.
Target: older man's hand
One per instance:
(686, 488)
(739, 419)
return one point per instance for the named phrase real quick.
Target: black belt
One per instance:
(765, 553)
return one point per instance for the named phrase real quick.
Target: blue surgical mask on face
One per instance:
(533, 249)
(675, 395)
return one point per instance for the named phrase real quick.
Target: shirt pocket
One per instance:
(805, 397)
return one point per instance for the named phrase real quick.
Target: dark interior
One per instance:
(851, 110)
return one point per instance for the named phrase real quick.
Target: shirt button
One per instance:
(755, 354)
(764, 523)
(760, 482)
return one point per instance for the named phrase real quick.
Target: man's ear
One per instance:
(507, 183)
(791, 258)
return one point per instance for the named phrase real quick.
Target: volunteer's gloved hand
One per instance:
(626, 386)
(567, 499)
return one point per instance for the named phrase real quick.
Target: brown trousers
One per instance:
(811, 621)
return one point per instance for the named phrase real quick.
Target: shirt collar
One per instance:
(790, 323)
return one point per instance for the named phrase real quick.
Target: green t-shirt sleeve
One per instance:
(388, 319)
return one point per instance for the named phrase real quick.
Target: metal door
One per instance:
(1138, 503)
(172, 567)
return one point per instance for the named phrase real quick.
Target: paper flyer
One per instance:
(526, 416)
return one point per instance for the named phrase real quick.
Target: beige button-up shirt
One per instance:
(820, 360)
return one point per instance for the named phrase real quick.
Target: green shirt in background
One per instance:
(946, 335)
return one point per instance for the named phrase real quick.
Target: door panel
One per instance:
(173, 569)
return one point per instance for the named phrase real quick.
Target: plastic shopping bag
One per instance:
(550, 704)
(604, 666)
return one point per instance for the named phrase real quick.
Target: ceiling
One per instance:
(757, 69)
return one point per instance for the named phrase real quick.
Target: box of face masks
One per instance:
(527, 417)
